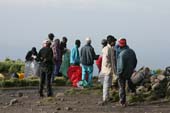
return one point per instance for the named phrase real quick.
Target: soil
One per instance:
(66, 100)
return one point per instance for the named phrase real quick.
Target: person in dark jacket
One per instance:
(31, 55)
(45, 57)
(30, 64)
(87, 57)
(126, 64)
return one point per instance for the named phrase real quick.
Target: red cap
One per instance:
(122, 42)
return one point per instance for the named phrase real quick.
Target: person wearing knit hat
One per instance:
(87, 57)
(122, 42)
(126, 64)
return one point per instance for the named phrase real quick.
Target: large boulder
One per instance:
(161, 77)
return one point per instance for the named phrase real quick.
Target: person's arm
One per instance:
(120, 65)
(72, 56)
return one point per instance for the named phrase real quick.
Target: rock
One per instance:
(77, 102)
(55, 112)
(152, 79)
(140, 89)
(58, 108)
(59, 95)
(13, 101)
(61, 99)
(168, 92)
(168, 84)
(20, 94)
(156, 80)
(155, 86)
(43, 112)
(161, 77)
(68, 108)
(74, 109)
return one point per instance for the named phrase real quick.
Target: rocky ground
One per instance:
(67, 99)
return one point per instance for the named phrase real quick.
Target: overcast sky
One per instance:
(144, 23)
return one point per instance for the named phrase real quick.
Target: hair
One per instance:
(104, 42)
(110, 39)
(51, 36)
(64, 39)
(77, 42)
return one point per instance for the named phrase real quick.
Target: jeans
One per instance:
(55, 71)
(106, 85)
(45, 77)
(122, 90)
(87, 71)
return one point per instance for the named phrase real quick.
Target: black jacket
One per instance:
(45, 56)
(87, 55)
(126, 62)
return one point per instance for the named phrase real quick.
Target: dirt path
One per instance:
(28, 101)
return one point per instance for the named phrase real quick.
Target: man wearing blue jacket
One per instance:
(126, 63)
(74, 56)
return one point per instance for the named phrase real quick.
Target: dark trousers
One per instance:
(45, 77)
(122, 88)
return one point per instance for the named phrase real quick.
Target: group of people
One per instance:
(117, 63)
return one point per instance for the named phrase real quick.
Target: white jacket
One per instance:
(108, 61)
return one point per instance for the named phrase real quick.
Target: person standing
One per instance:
(75, 57)
(51, 37)
(63, 45)
(45, 57)
(126, 64)
(57, 57)
(30, 64)
(99, 60)
(108, 66)
(87, 57)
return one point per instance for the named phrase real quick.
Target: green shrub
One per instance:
(60, 81)
(14, 68)
(11, 66)
(159, 71)
(19, 83)
(4, 66)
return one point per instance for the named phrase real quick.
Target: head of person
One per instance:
(57, 42)
(88, 40)
(46, 43)
(122, 42)
(34, 51)
(78, 43)
(104, 42)
(51, 36)
(64, 39)
(111, 40)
